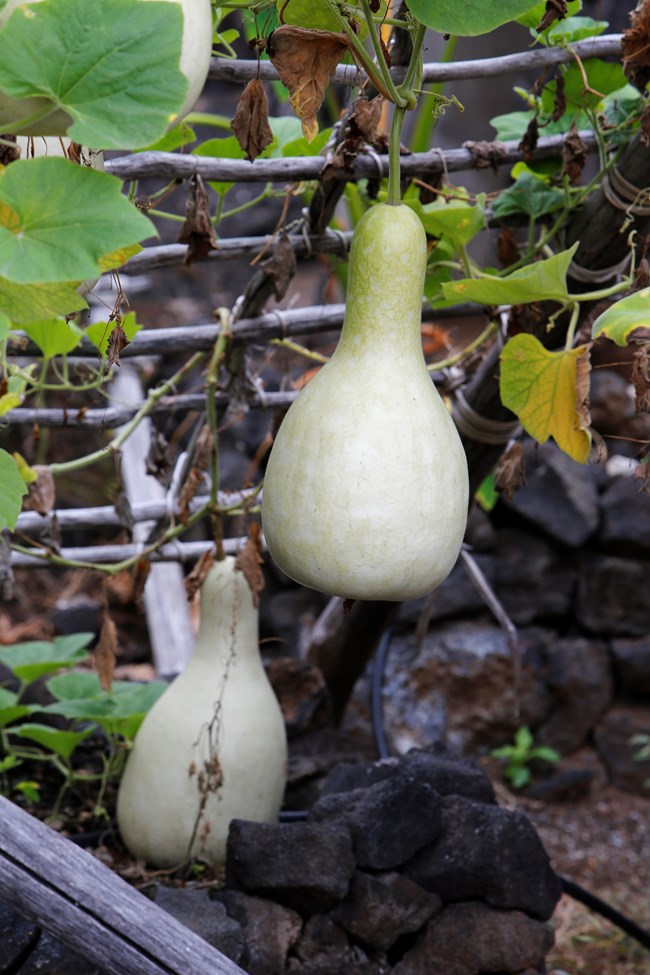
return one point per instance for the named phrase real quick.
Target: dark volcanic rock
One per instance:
(306, 866)
(448, 774)
(52, 957)
(613, 595)
(626, 518)
(468, 939)
(388, 822)
(269, 929)
(196, 910)
(632, 665)
(560, 496)
(487, 853)
(614, 741)
(324, 949)
(580, 678)
(382, 907)
(18, 937)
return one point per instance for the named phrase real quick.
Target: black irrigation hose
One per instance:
(570, 887)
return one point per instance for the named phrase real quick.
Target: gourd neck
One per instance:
(229, 620)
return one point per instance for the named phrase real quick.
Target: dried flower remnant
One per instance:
(197, 230)
(251, 120)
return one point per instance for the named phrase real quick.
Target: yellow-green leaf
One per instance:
(118, 258)
(9, 402)
(28, 474)
(623, 318)
(547, 391)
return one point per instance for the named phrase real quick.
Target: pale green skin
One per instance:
(196, 52)
(366, 489)
(159, 800)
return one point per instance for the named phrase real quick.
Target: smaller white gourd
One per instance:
(213, 747)
(366, 488)
(196, 52)
(33, 147)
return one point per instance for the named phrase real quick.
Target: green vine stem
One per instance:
(464, 352)
(394, 167)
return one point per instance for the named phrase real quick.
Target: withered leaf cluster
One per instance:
(305, 60)
(486, 155)
(574, 155)
(641, 377)
(105, 652)
(359, 129)
(197, 230)
(249, 562)
(281, 266)
(528, 142)
(41, 495)
(251, 121)
(510, 472)
(555, 10)
(635, 46)
(197, 576)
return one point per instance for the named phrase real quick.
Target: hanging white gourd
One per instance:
(213, 747)
(366, 488)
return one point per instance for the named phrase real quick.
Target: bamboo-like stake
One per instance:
(292, 169)
(608, 45)
(95, 554)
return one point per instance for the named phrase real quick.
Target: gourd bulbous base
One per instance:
(366, 488)
(213, 747)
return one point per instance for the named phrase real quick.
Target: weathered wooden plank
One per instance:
(67, 891)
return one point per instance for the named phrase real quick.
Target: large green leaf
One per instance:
(55, 336)
(603, 79)
(33, 659)
(58, 219)
(455, 219)
(623, 318)
(24, 303)
(119, 711)
(541, 281)
(113, 71)
(543, 389)
(55, 740)
(10, 709)
(12, 489)
(528, 195)
(467, 18)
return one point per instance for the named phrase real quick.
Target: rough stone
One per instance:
(612, 597)
(518, 562)
(203, 916)
(468, 939)
(560, 496)
(18, 937)
(626, 518)
(487, 853)
(388, 822)
(52, 957)
(580, 679)
(458, 686)
(302, 694)
(305, 866)
(632, 665)
(381, 907)
(269, 930)
(324, 949)
(613, 739)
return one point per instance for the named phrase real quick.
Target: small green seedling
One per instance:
(518, 757)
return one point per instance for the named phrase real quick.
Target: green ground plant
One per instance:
(518, 758)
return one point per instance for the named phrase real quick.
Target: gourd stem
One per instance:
(394, 183)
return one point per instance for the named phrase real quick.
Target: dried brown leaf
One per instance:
(555, 10)
(642, 275)
(365, 118)
(42, 491)
(192, 483)
(141, 572)
(574, 155)
(249, 561)
(507, 247)
(529, 139)
(8, 154)
(306, 60)
(643, 474)
(510, 473)
(197, 230)
(635, 46)
(157, 461)
(641, 377)
(559, 102)
(583, 378)
(204, 448)
(281, 266)
(251, 121)
(105, 652)
(117, 341)
(195, 579)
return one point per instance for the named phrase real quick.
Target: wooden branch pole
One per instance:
(48, 879)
